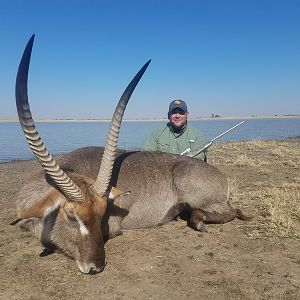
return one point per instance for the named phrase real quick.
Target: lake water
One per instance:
(63, 137)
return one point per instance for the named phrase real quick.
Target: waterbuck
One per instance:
(94, 193)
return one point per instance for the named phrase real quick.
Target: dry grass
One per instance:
(264, 178)
(279, 210)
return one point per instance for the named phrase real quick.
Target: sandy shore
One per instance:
(8, 120)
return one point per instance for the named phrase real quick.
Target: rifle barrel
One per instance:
(196, 152)
(226, 131)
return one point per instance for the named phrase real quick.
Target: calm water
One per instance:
(64, 137)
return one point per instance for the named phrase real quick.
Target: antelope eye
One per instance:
(71, 218)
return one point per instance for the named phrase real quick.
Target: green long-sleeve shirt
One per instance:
(165, 139)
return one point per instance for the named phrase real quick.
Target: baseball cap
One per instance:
(178, 104)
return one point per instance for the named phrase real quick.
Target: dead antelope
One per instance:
(74, 205)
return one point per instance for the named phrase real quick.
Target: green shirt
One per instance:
(165, 139)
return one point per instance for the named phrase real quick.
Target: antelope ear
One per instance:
(15, 222)
(40, 208)
(115, 193)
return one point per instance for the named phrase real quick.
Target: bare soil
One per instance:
(237, 260)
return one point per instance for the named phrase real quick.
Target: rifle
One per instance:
(190, 153)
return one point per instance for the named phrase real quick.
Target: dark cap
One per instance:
(178, 104)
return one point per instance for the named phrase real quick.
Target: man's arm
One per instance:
(151, 142)
(199, 142)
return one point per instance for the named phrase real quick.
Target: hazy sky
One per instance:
(232, 58)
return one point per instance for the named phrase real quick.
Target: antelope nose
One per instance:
(90, 268)
(95, 270)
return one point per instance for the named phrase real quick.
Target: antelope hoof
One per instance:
(201, 227)
(46, 252)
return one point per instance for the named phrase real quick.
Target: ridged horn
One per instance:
(66, 185)
(109, 154)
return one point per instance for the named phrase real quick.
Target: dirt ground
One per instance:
(237, 260)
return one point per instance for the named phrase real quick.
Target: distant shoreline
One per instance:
(15, 120)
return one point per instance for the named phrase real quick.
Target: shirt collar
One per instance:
(177, 131)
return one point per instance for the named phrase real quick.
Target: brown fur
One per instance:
(162, 186)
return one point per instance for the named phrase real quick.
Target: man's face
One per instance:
(178, 118)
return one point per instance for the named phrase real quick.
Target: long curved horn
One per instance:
(109, 155)
(66, 185)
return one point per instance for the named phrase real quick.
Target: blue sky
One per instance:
(232, 58)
